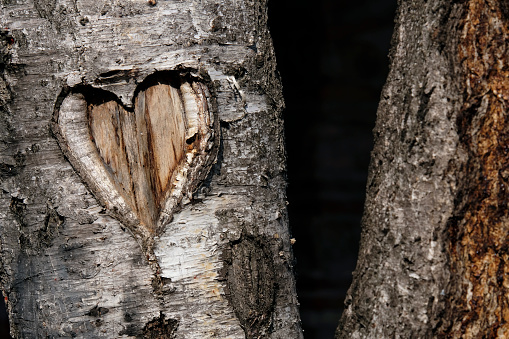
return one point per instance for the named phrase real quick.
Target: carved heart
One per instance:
(139, 162)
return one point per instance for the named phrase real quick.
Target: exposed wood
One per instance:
(138, 160)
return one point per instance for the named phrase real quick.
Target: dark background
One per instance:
(332, 57)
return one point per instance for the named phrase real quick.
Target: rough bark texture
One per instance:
(478, 231)
(402, 271)
(219, 264)
(433, 258)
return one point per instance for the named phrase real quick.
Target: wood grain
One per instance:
(142, 150)
(140, 161)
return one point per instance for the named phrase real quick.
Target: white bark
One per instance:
(220, 264)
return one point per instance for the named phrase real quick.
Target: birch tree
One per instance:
(142, 171)
(434, 257)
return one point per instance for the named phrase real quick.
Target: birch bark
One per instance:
(219, 264)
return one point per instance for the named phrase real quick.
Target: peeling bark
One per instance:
(168, 245)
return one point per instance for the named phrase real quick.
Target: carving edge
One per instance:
(191, 175)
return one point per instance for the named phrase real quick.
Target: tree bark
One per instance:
(104, 235)
(433, 257)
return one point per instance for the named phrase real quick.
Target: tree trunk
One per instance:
(142, 171)
(434, 258)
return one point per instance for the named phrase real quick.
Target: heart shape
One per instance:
(139, 162)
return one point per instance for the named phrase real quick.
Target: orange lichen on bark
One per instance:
(479, 230)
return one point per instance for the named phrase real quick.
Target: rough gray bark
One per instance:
(210, 255)
(402, 266)
(433, 257)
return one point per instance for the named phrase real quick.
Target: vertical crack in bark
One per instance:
(479, 230)
(142, 161)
